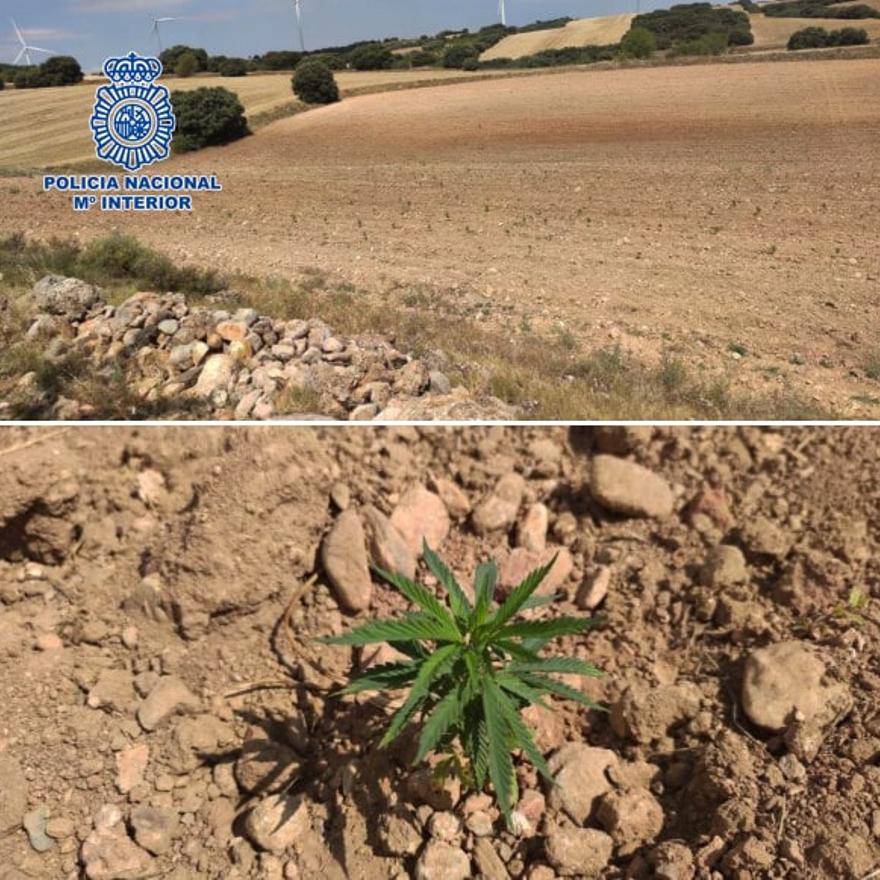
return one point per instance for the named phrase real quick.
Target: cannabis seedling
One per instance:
(471, 670)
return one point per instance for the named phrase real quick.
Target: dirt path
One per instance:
(727, 213)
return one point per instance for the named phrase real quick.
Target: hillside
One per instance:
(602, 31)
(773, 33)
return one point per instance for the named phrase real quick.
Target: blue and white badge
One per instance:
(133, 120)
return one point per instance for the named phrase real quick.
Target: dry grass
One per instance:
(773, 33)
(602, 31)
(60, 116)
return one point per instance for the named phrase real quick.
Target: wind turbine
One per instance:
(25, 48)
(299, 23)
(502, 10)
(155, 29)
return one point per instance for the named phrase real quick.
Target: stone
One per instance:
(265, 767)
(154, 829)
(114, 690)
(420, 516)
(784, 682)
(442, 861)
(500, 509)
(579, 852)
(388, 549)
(632, 818)
(216, 375)
(169, 696)
(60, 828)
(629, 489)
(131, 764)
(488, 861)
(480, 824)
(68, 297)
(646, 714)
(438, 383)
(232, 331)
(520, 563)
(581, 774)
(531, 533)
(444, 825)
(277, 822)
(594, 589)
(672, 861)
(34, 823)
(453, 497)
(13, 794)
(109, 854)
(344, 557)
(169, 326)
(422, 787)
(725, 567)
(762, 537)
(398, 833)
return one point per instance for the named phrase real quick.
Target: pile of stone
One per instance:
(242, 365)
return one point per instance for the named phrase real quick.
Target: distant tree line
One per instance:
(819, 38)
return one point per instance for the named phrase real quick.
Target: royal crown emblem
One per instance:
(133, 120)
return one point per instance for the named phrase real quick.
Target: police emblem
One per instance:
(133, 121)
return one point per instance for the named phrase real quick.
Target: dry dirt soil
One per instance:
(602, 31)
(773, 33)
(725, 213)
(160, 592)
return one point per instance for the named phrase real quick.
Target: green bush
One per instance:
(819, 38)
(278, 60)
(233, 67)
(470, 669)
(314, 83)
(471, 64)
(187, 65)
(456, 56)
(709, 44)
(818, 9)
(688, 22)
(60, 70)
(423, 59)
(639, 42)
(206, 118)
(170, 57)
(372, 57)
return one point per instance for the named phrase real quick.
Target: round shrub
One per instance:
(170, 57)
(850, 36)
(808, 38)
(740, 38)
(314, 83)
(2, 83)
(372, 57)
(233, 67)
(471, 64)
(187, 65)
(638, 42)
(456, 56)
(423, 59)
(206, 118)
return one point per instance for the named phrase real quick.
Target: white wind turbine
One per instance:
(502, 11)
(299, 23)
(25, 48)
(156, 31)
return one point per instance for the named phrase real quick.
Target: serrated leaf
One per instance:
(523, 736)
(516, 650)
(438, 663)
(552, 686)
(546, 629)
(484, 591)
(387, 676)
(405, 629)
(564, 665)
(444, 716)
(501, 771)
(537, 602)
(458, 600)
(520, 595)
(418, 595)
(516, 686)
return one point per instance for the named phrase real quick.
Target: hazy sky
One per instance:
(94, 29)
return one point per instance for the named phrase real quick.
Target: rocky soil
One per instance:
(238, 365)
(166, 712)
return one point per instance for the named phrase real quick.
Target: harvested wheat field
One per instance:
(774, 33)
(725, 215)
(603, 31)
(166, 708)
(58, 114)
